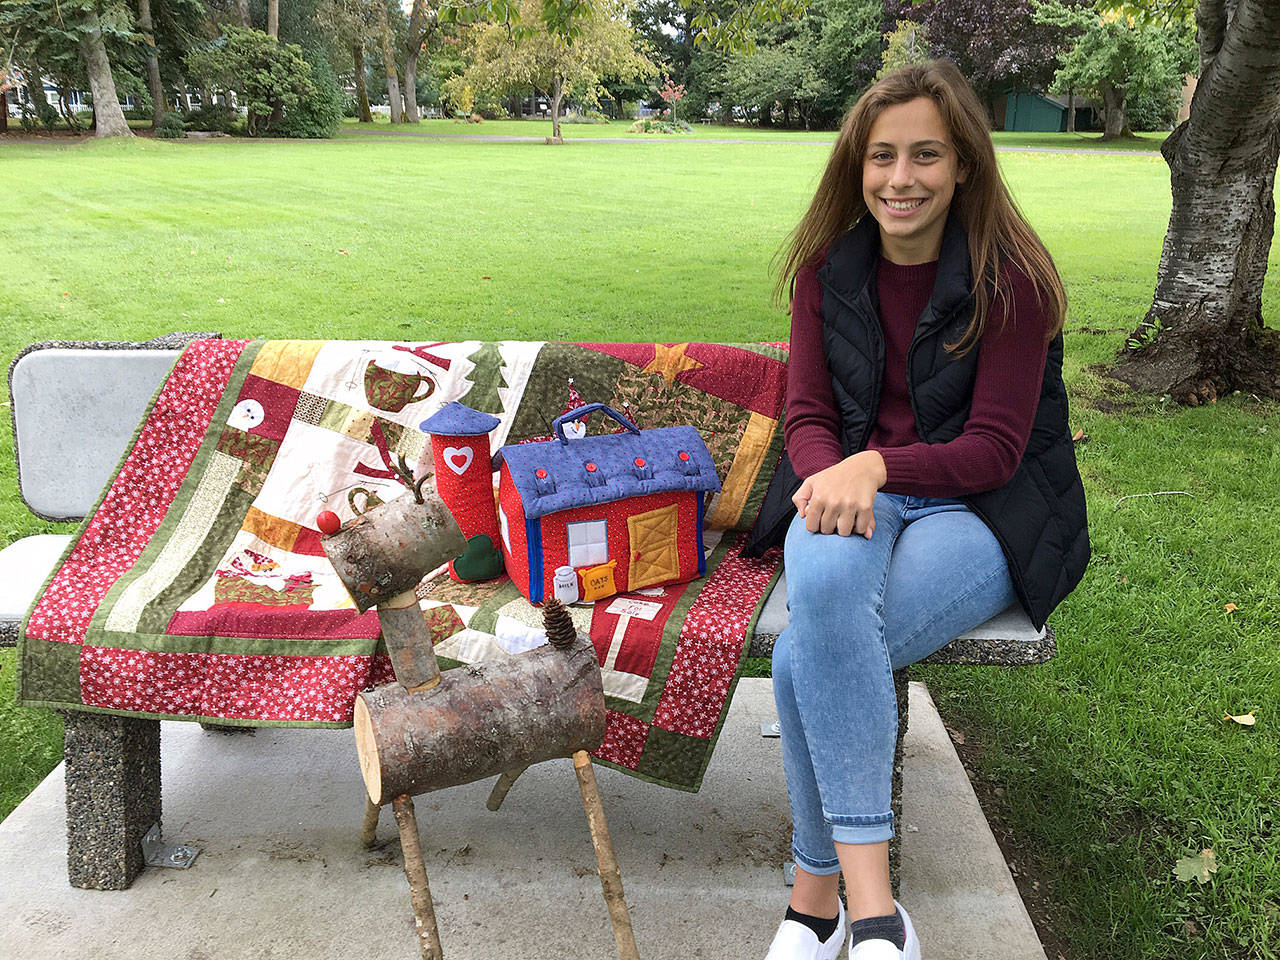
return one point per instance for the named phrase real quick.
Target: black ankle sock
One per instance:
(888, 928)
(822, 927)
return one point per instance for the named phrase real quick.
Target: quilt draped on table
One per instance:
(197, 589)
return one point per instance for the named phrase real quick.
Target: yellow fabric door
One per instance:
(653, 547)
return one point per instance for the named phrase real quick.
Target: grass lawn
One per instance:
(710, 131)
(1107, 764)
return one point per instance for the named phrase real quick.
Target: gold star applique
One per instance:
(670, 361)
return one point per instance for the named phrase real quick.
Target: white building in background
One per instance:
(77, 100)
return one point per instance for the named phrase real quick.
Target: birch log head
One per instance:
(1204, 334)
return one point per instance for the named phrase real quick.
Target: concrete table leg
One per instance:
(113, 797)
(900, 681)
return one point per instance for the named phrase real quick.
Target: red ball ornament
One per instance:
(328, 522)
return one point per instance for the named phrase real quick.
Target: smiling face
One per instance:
(909, 175)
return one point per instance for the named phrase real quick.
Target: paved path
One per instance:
(281, 873)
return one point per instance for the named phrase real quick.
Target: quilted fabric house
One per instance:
(635, 498)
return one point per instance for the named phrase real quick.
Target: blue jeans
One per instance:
(860, 609)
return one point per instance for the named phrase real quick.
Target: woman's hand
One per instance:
(839, 499)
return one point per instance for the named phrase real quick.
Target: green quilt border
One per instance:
(24, 642)
(97, 635)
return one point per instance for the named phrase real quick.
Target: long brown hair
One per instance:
(995, 227)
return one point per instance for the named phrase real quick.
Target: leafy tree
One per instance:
(387, 44)
(1117, 58)
(1204, 334)
(997, 44)
(348, 23)
(781, 74)
(812, 68)
(155, 86)
(319, 115)
(671, 94)
(907, 42)
(69, 39)
(603, 44)
(270, 77)
(423, 21)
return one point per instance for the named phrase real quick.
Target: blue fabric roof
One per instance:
(569, 483)
(458, 420)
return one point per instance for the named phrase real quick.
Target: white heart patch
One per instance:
(458, 458)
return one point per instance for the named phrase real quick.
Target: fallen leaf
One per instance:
(1190, 928)
(343, 252)
(1196, 868)
(956, 735)
(1079, 435)
(1245, 720)
(486, 278)
(1230, 607)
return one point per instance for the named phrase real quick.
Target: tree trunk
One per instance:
(34, 88)
(183, 97)
(108, 116)
(154, 85)
(1204, 336)
(557, 94)
(273, 18)
(362, 89)
(1071, 111)
(413, 48)
(242, 10)
(64, 108)
(393, 94)
(1114, 123)
(389, 62)
(411, 88)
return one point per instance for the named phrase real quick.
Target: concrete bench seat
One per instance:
(1008, 639)
(90, 397)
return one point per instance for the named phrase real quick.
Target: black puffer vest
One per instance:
(1039, 515)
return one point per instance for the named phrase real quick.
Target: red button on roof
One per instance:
(591, 468)
(540, 474)
(684, 455)
(639, 461)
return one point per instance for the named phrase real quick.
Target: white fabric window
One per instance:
(502, 525)
(588, 543)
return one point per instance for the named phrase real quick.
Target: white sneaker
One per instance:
(877, 949)
(795, 941)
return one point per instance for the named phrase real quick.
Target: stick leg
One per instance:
(503, 787)
(610, 876)
(369, 829)
(424, 913)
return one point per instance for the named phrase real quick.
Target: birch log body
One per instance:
(480, 720)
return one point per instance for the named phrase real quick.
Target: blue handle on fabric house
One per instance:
(582, 411)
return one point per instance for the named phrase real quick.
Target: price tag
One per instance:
(630, 607)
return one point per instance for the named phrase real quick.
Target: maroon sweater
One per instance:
(1006, 388)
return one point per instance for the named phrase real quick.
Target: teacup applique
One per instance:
(393, 390)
